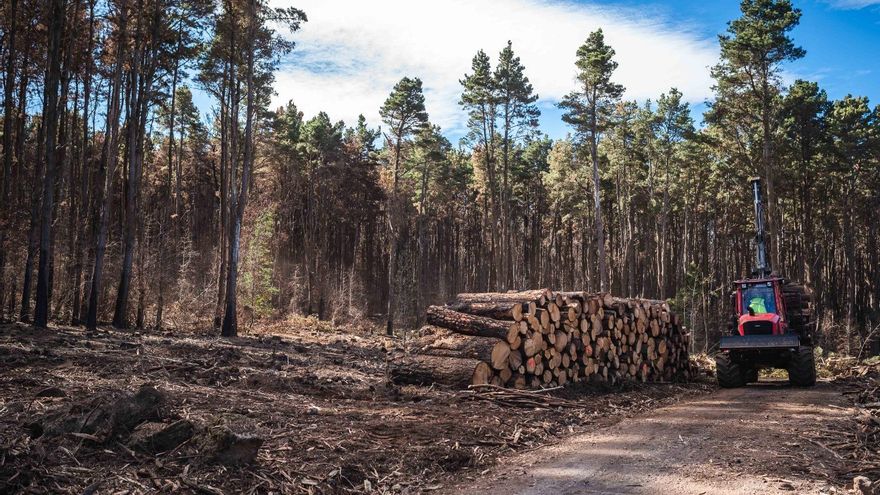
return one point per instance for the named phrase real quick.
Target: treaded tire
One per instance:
(750, 375)
(802, 368)
(730, 374)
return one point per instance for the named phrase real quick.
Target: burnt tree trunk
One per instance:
(50, 98)
(107, 171)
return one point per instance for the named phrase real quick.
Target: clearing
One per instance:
(329, 421)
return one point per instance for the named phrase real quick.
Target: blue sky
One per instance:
(842, 40)
(351, 53)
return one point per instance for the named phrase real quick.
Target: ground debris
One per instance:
(97, 418)
(310, 411)
(154, 438)
(230, 448)
(855, 444)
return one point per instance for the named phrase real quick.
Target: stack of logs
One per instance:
(540, 338)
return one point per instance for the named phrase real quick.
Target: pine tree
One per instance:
(518, 113)
(55, 17)
(673, 124)
(258, 52)
(404, 114)
(588, 110)
(803, 137)
(752, 54)
(479, 98)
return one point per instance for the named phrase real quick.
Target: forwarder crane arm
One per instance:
(762, 264)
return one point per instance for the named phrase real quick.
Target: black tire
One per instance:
(750, 375)
(802, 368)
(730, 374)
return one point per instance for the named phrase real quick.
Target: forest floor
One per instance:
(308, 409)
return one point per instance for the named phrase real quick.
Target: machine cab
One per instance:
(760, 307)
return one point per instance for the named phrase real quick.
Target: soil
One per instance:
(125, 412)
(764, 438)
(302, 408)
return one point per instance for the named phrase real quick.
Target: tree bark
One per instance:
(85, 178)
(133, 149)
(538, 296)
(597, 197)
(109, 161)
(56, 23)
(9, 107)
(465, 324)
(230, 319)
(392, 238)
(458, 346)
(497, 310)
(428, 370)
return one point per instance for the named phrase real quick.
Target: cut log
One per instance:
(505, 375)
(465, 324)
(428, 370)
(532, 344)
(458, 346)
(561, 340)
(482, 374)
(497, 310)
(554, 312)
(500, 297)
(500, 353)
(539, 338)
(515, 360)
(513, 333)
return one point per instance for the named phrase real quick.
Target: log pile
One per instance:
(541, 338)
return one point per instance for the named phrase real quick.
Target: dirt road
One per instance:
(754, 440)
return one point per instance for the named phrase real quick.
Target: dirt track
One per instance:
(754, 440)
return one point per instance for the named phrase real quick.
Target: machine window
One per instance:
(760, 298)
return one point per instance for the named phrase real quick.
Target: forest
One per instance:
(124, 203)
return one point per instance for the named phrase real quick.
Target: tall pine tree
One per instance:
(404, 114)
(588, 110)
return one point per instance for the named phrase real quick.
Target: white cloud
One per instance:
(351, 53)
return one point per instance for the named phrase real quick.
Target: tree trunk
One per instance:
(538, 296)
(230, 320)
(465, 324)
(597, 199)
(225, 133)
(85, 179)
(427, 370)
(56, 21)
(767, 161)
(109, 160)
(167, 230)
(9, 107)
(392, 239)
(120, 313)
(33, 243)
(496, 310)
(482, 348)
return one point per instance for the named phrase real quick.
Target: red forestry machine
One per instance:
(772, 324)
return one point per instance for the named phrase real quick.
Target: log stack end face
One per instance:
(540, 338)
